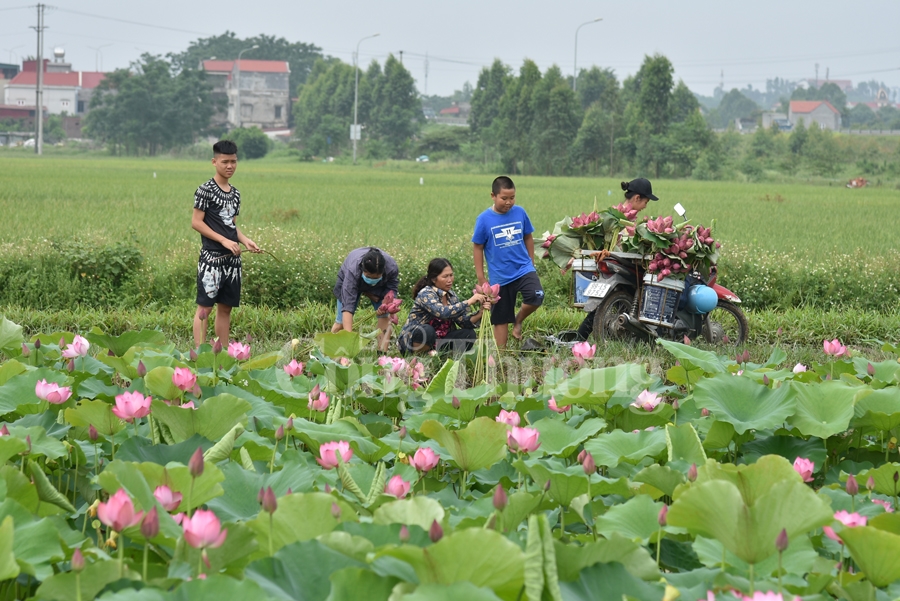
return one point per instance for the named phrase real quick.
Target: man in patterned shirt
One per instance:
(216, 205)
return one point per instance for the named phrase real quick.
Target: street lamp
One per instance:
(575, 66)
(98, 56)
(237, 117)
(354, 134)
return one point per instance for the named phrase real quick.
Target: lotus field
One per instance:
(133, 470)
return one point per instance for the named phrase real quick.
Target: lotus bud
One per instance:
(25, 350)
(588, 464)
(692, 473)
(402, 433)
(70, 366)
(581, 456)
(435, 533)
(500, 498)
(870, 484)
(279, 433)
(28, 446)
(675, 405)
(704, 412)
(781, 541)
(896, 476)
(141, 369)
(77, 560)
(192, 355)
(455, 403)
(290, 491)
(269, 501)
(62, 342)
(92, 433)
(37, 344)
(327, 489)
(778, 332)
(547, 486)
(765, 380)
(248, 338)
(217, 346)
(195, 465)
(852, 486)
(870, 369)
(150, 524)
(661, 518)
(336, 511)
(4, 431)
(290, 424)
(259, 495)
(746, 356)
(404, 533)
(196, 390)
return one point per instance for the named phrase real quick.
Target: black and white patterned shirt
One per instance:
(220, 209)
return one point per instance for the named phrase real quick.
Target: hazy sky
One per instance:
(749, 41)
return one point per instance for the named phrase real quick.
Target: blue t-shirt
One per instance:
(503, 237)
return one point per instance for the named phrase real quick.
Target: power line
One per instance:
(14, 8)
(83, 14)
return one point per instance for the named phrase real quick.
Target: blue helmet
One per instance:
(701, 299)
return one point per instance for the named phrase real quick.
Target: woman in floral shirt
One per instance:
(438, 318)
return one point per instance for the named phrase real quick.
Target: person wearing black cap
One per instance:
(638, 193)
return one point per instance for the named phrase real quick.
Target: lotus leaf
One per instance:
(743, 403)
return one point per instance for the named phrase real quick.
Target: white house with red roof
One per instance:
(260, 88)
(65, 91)
(819, 112)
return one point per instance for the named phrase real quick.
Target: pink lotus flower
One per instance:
(850, 520)
(168, 499)
(131, 406)
(78, 348)
(799, 368)
(203, 530)
(523, 440)
(52, 392)
(390, 304)
(239, 351)
(329, 451)
(584, 351)
(293, 368)
(830, 533)
(188, 405)
(397, 487)
(552, 404)
(318, 400)
(805, 468)
(834, 348)
(491, 292)
(424, 459)
(548, 241)
(510, 418)
(886, 504)
(118, 512)
(344, 361)
(647, 401)
(184, 379)
(765, 596)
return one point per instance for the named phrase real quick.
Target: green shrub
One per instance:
(252, 142)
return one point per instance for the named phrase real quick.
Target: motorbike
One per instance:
(630, 304)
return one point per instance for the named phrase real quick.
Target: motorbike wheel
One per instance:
(607, 314)
(725, 325)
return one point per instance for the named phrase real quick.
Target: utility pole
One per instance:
(575, 62)
(39, 89)
(426, 74)
(401, 57)
(817, 75)
(355, 129)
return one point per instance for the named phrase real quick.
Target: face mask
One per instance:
(371, 281)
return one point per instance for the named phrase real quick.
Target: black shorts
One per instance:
(532, 294)
(218, 279)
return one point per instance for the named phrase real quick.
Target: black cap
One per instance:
(642, 186)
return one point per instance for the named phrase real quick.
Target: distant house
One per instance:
(262, 88)
(819, 112)
(65, 91)
(779, 119)
(882, 99)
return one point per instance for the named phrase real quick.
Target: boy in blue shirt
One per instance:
(503, 237)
